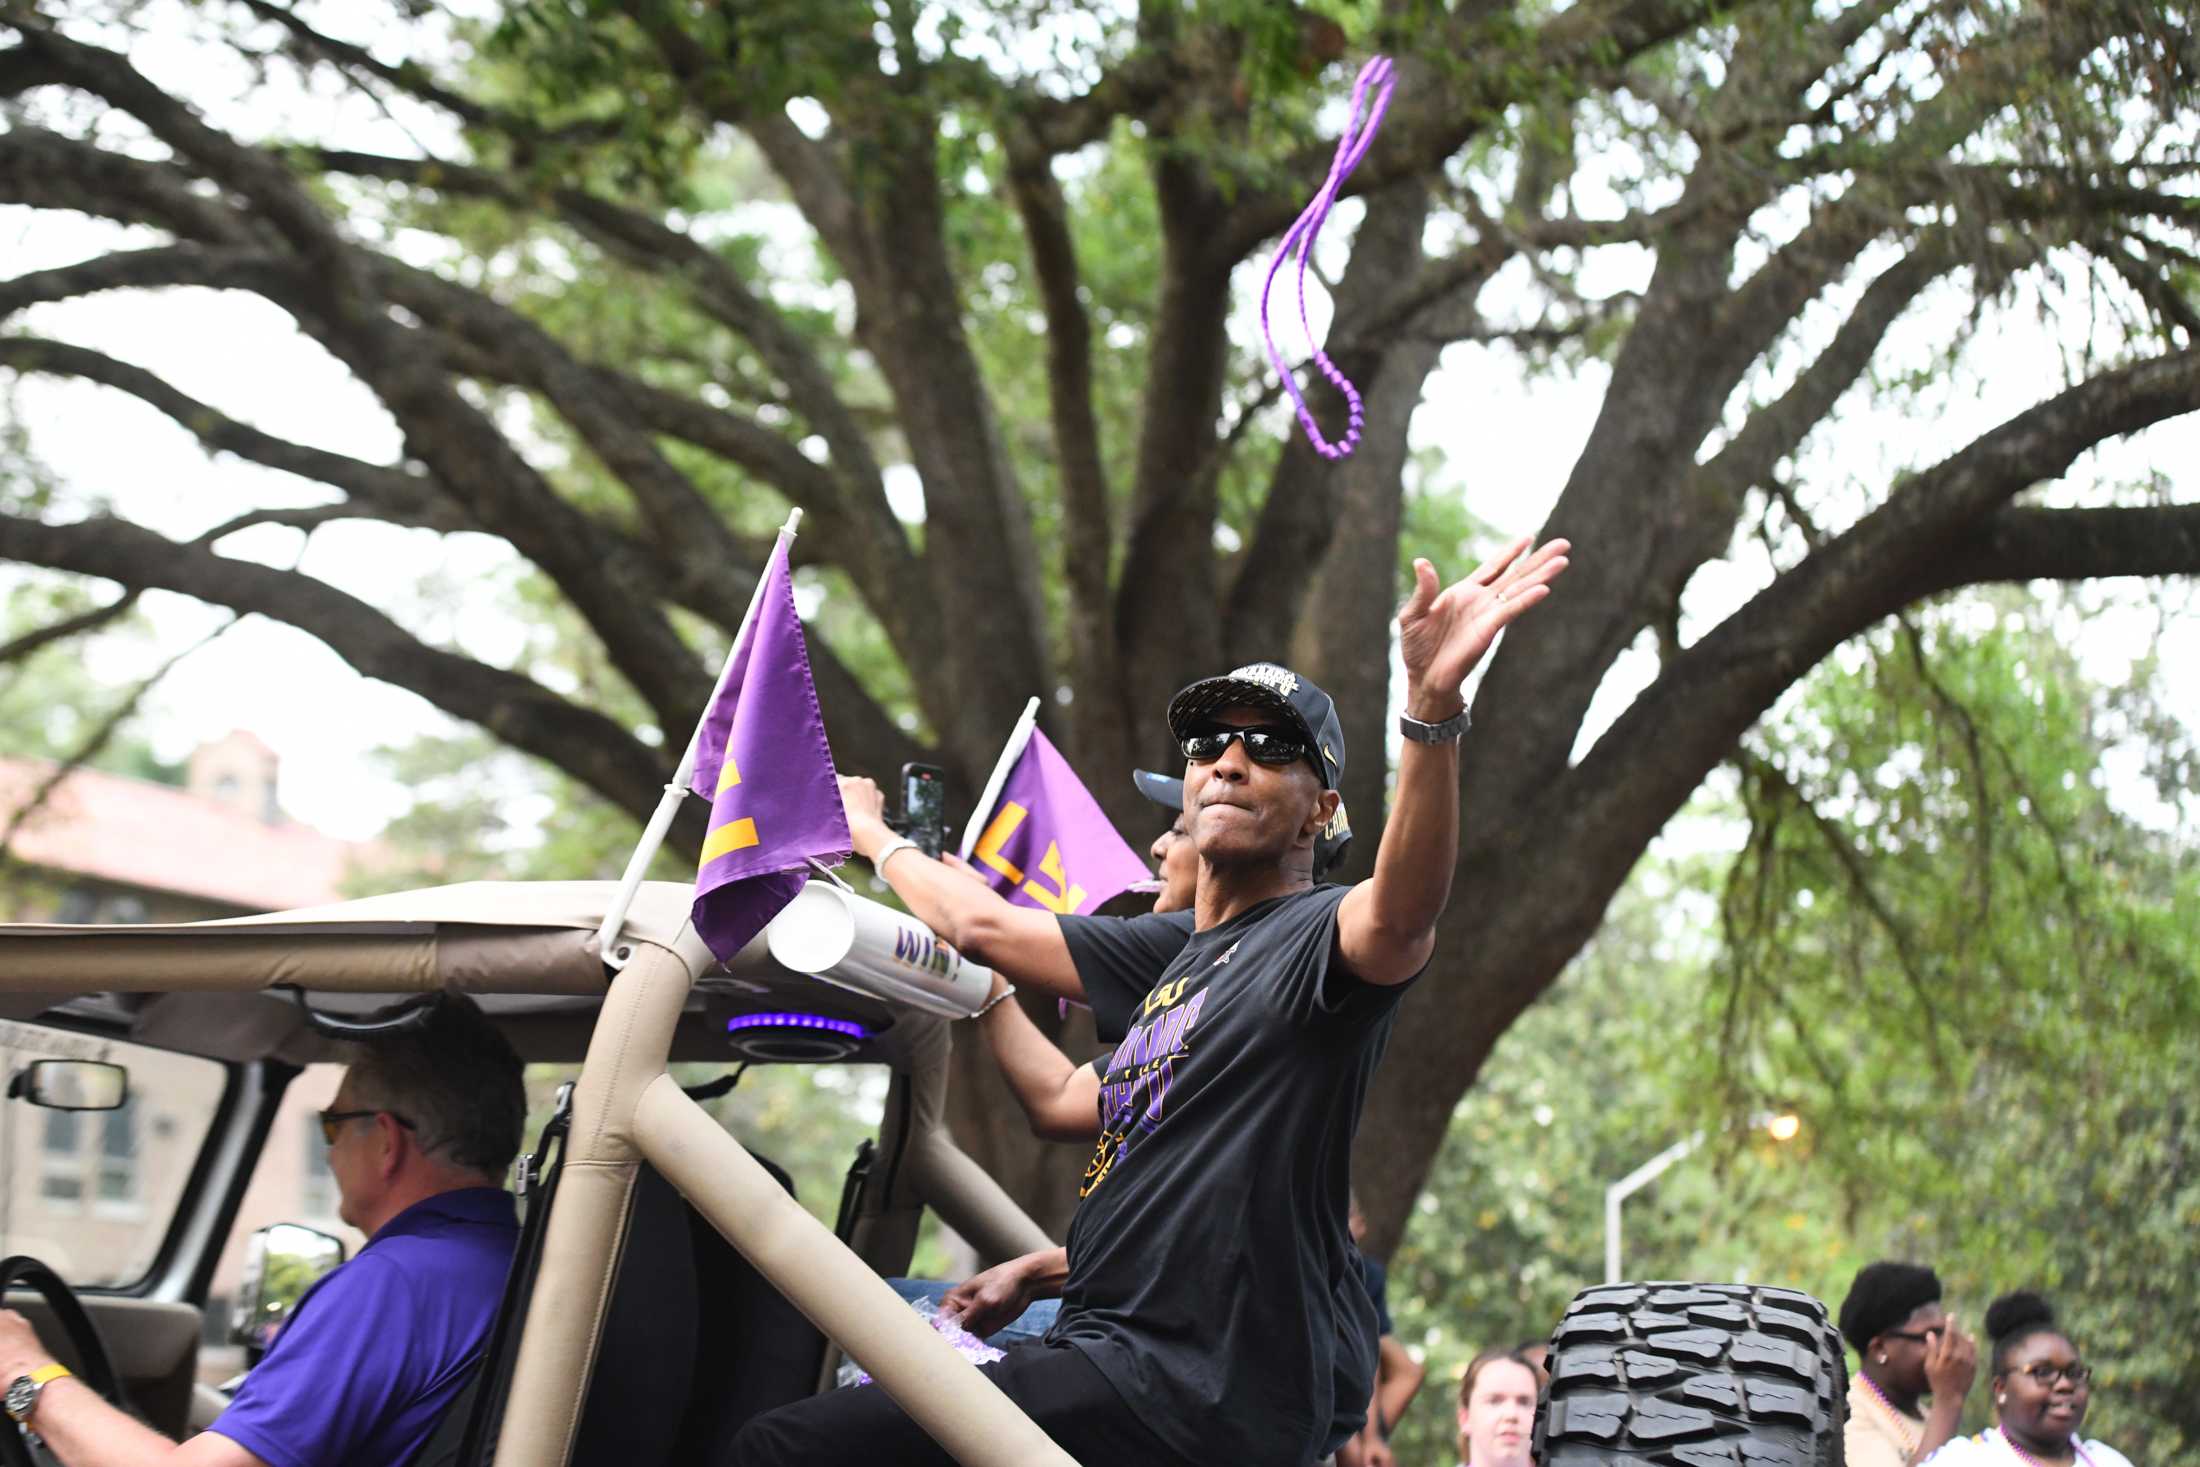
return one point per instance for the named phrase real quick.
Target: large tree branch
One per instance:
(383, 492)
(1694, 340)
(1165, 599)
(1433, 117)
(45, 170)
(1087, 539)
(1134, 87)
(707, 584)
(1542, 881)
(457, 441)
(1711, 501)
(1954, 514)
(511, 349)
(670, 503)
(488, 341)
(414, 81)
(2021, 544)
(886, 227)
(519, 711)
(21, 69)
(648, 243)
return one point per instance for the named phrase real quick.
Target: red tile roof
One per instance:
(132, 832)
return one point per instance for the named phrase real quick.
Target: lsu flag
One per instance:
(1047, 842)
(762, 762)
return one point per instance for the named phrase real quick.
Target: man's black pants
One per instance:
(1055, 1385)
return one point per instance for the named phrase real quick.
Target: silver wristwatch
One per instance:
(1435, 733)
(23, 1392)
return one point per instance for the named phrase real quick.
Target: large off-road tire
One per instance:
(1693, 1375)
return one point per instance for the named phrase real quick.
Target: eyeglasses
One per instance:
(1918, 1337)
(2045, 1376)
(331, 1119)
(1266, 744)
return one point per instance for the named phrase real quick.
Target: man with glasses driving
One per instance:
(420, 1135)
(1209, 1257)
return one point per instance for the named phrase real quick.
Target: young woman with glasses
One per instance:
(2041, 1390)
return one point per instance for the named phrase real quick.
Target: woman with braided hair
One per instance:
(2041, 1391)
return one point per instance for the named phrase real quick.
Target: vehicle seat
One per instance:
(668, 1387)
(638, 1392)
(646, 1363)
(755, 1350)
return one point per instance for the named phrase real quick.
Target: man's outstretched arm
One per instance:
(1061, 1097)
(1023, 944)
(1386, 926)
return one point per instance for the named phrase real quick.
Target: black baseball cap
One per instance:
(1272, 688)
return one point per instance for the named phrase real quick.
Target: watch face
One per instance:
(21, 1396)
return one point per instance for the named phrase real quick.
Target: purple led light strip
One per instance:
(1352, 146)
(797, 1021)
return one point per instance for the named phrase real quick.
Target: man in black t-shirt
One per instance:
(1208, 1260)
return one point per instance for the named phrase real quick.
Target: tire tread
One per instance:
(1693, 1375)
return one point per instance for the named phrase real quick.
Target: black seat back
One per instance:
(645, 1362)
(638, 1393)
(755, 1350)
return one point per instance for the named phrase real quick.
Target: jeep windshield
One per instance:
(94, 1193)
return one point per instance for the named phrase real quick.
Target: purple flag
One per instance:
(762, 762)
(1048, 844)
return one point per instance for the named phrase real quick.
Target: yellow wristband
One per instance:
(46, 1373)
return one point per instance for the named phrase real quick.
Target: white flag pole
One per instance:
(1018, 737)
(614, 953)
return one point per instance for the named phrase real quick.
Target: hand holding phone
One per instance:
(924, 807)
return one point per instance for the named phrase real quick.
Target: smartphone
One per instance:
(924, 807)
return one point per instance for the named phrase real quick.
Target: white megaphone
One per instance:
(870, 948)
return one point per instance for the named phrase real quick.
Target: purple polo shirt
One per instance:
(376, 1350)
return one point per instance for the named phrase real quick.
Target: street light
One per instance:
(1782, 1127)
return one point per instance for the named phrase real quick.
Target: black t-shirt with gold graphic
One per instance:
(1208, 1256)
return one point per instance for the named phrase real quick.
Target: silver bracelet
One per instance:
(1007, 990)
(890, 850)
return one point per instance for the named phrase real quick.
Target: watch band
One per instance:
(23, 1393)
(1435, 733)
(890, 850)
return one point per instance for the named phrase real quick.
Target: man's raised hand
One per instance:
(1443, 631)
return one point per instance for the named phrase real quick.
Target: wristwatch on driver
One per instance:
(23, 1393)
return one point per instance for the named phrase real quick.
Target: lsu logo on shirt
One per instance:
(1134, 1091)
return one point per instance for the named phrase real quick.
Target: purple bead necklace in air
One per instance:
(1351, 147)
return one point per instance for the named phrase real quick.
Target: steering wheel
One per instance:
(94, 1367)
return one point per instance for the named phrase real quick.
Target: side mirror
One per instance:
(281, 1262)
(72, 1085)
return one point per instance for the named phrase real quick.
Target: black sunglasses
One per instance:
(1266, 744)
(331, 1119)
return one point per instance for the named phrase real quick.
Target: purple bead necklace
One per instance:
(2024, 1456)
(1351, 147)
